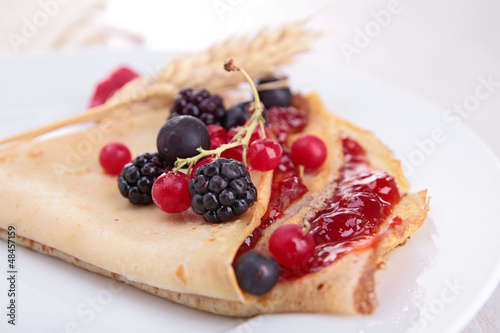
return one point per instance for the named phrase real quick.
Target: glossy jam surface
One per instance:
(287, 186)
(363, 199)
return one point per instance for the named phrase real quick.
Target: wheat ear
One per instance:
(261, 55)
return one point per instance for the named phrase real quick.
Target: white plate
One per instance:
(436, 283)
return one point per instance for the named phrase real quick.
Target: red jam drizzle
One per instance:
(249, 243)
(363, 199)
(287, 186)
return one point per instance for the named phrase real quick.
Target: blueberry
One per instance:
(237, 115)
(278, 96)
(180, 137)
(255, 273)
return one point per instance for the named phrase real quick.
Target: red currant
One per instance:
(201, 162)
(291, 247)
(264, 154)
(217, 136)
(113, 157)
(236, 153)
(171, 193)
(309, 151)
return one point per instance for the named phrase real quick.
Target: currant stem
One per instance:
(307, 228)
(242, 138)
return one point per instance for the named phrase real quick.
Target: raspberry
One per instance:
(221, 190)
(107, 87)
(200, 104)
(137, 178)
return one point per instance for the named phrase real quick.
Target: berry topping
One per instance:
(199, 103)
(255, 273)
(309, 151)
(113, 157)
(291, 247)
(237, 115)
(236, 153)
(218, 136)
(137, 178)
(107, 87)
(201, 162)
(180, 137)
(275, 97)
(170, 192)
(221, 190)
(264, 154)
(286, 120)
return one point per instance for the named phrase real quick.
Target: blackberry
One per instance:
(137, 178)
(221, 190)
(200, 104)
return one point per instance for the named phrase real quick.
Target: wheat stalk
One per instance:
(261, 55)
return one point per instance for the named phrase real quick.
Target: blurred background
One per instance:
(446, 51)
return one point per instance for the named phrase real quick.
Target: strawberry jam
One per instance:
(351, 218)
(363, 199)
(287, 186)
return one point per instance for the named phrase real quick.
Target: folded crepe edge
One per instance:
(346, 286)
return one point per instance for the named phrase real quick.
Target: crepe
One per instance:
(62, 204)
